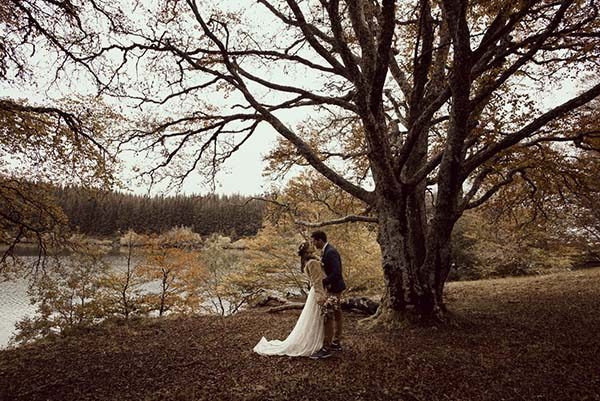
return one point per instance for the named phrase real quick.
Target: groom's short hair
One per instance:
(319, 235)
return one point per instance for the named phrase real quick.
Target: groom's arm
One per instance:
(331, 261)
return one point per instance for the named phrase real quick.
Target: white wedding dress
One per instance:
(306, 337)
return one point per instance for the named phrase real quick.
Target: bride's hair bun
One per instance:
(303, 248)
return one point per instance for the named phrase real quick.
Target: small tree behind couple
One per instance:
(318, 330)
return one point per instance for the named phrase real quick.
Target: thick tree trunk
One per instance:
(415, 253)
(414, 275)
(415, 264)
(414, 291)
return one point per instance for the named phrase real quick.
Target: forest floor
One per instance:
(530, 338)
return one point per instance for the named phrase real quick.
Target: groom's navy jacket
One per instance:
(332, 264)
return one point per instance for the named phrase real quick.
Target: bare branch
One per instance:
(303, 148)
(470, 204)
(534, 48)
(346, 219)
(509, 140)
(383, 54)
(350, 60)
(342, 102)
(72, 121)
(312, 39)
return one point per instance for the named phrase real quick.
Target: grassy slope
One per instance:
(518, 338)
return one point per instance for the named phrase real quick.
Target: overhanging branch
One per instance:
(489, 151)
(303, 148)
(343, 220)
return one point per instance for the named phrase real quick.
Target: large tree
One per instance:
(403, 97)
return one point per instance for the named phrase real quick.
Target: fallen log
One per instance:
(357, 304)
(360, 304)
(270, 300)
(286, 306)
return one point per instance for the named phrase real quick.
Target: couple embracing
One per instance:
(318, 331)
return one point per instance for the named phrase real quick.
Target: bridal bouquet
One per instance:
(330, 305)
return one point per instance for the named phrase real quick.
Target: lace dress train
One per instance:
(306, 337)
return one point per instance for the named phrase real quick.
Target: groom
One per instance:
(334, 285)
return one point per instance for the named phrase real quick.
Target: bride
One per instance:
(307, 336)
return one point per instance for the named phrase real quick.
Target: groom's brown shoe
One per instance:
(321, 354)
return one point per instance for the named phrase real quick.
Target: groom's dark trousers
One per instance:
(334, 284)
(333, 324)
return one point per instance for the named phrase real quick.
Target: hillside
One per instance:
(518, 338)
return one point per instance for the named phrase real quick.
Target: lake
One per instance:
(15, 305)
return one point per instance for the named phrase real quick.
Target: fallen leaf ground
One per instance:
(532, 338)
